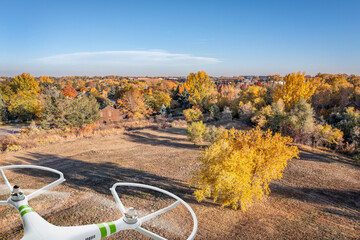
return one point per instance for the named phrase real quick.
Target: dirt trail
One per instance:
(319, 196)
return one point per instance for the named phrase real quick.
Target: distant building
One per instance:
(109, 114)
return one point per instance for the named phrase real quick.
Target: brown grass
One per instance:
(30, 139)
(318, 198)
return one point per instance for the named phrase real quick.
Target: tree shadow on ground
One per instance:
(326, 158)
(157, 140)
(347, 201)
(101, 176)
(172, 130)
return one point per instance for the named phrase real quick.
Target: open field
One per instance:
(318, 198)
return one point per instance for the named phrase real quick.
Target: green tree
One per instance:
(65, 112)
(157, 99)
(2, 109)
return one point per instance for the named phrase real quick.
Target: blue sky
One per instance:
(177, 37)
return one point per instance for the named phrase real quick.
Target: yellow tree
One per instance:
(201, 89)
(239, 166)
(158, 98)
(45, 79)
(295, 88)
(24, 106)
(255, 95)
(25, 82)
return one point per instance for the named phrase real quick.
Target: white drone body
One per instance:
(37, 228)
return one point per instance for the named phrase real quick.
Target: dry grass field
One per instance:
(318, 198)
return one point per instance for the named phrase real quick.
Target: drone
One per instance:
(37, 228)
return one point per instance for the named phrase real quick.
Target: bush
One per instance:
(215, 112)
(301, 117)
(330, 137)
(271, 117)
(197, 131)
(239, 166)
(349, 123)
(246, 112)
(226, 114)
(193, 114)
(13, 148)
(213, 133)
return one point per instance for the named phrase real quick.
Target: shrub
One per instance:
(330, 137)
(302, 117)
(349, 123)
(271, 117)
(246, 112)
(193, 114)
(196, 131)
(226, 114)
(13, 148)
(239, 166)
(215, 112)
(213, 133)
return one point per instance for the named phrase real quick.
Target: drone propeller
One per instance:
(130, 216)
(35, 226)
(36, 193)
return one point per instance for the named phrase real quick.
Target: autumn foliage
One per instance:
(296, 87)
(201, 89)
(239, 166)
(69, 92)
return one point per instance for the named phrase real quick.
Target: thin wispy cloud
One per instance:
(128, 58)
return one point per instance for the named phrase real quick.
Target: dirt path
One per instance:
(319, 196)
(4, 131)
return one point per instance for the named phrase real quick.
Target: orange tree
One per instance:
(132, 103)
(69, 92)
(239, 166)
